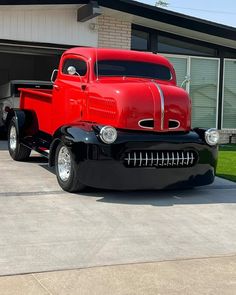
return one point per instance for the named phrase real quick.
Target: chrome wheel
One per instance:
(17, 151)
(64, 163)
(13, 138)
(67, 169)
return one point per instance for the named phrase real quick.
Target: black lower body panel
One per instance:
(114, 175)
(149, 162)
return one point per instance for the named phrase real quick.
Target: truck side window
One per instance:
(80, 65)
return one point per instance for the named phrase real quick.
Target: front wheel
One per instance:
(17, 151)
(67, 170)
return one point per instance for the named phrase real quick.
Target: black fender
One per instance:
(19, 116)
(26, 122)
(77, 136)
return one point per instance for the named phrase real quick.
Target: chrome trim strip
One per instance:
(192, 158)
(160, 159)
(168, 159)
(151, 159)
(135, 159)
(182, 158)
(162, 104)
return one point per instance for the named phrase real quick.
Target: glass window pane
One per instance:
(229, 107)
(203, 91)
(180, 66)
(139, 40)
(80, 66)
(133, 69)
(171, 45)
(229, 54)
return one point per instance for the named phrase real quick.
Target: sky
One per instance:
(219, 11)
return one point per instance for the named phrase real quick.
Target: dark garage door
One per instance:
(20, 62)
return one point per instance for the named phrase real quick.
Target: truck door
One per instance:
(69, 91)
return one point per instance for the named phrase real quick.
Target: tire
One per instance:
(17, 151)
(67, 170)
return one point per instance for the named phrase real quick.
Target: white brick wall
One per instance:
(113, 33)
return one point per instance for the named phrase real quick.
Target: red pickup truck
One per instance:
(114, 119)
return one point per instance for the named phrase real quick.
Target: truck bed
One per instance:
(11, 89)
(10, 95)
(39, 100)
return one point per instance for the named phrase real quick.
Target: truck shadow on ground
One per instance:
(211, 194)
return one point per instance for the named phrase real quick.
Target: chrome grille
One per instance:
(160, 159)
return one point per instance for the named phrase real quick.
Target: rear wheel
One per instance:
(67, 170)
(17, 151)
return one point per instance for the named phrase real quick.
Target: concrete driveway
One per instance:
(43, 228)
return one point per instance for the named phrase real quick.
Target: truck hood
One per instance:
(140, 105)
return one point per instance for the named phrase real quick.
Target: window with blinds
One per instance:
(204, 91)
(180, 66)
(203, 87)
(229, 94)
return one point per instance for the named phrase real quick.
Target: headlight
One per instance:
(212, 136)
(108, 134)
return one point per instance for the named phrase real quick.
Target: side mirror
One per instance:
(54, 76)
(186, 80)
(71, 70)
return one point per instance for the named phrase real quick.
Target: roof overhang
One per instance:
(88, 11)
(171, 22)
(169, 28)
(42, 2)
(153, 17)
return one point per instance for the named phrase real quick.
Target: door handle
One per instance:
(83, 87)
(55, 86)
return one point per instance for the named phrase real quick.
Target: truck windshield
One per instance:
(132, 69)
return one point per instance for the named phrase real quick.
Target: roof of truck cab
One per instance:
(117, 54)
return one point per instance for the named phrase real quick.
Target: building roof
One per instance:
(146, 11)
(173, 18)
